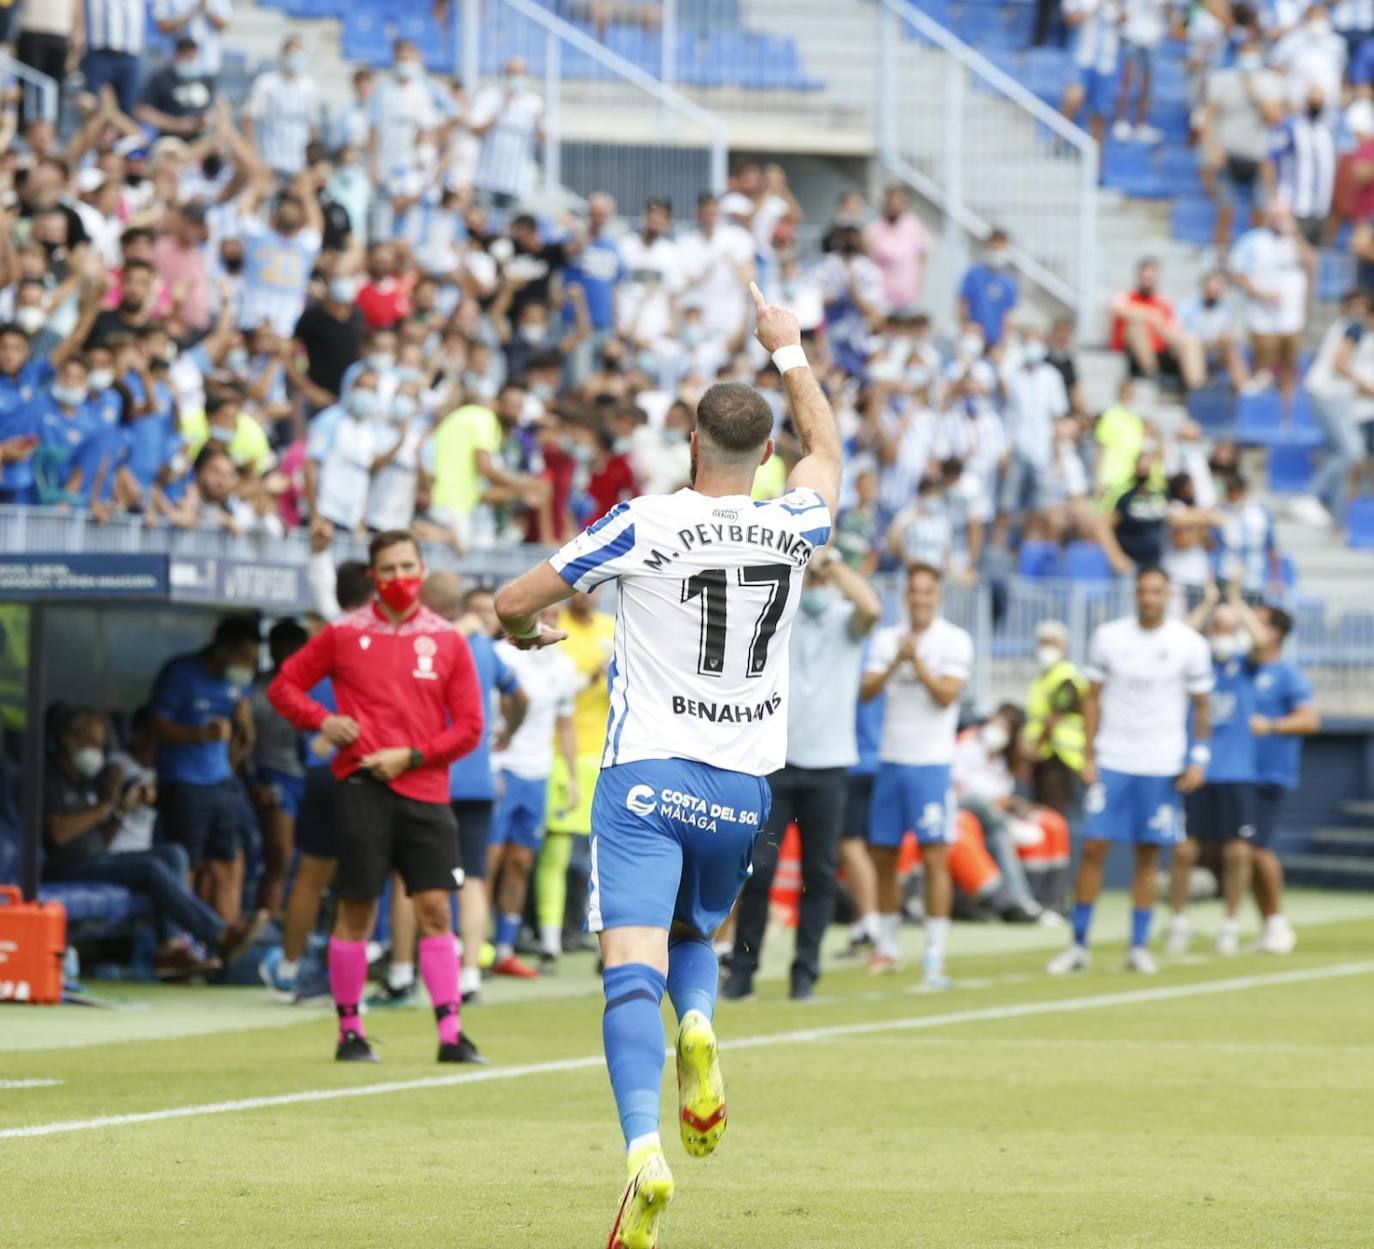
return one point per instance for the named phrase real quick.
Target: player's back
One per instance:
(707, 591)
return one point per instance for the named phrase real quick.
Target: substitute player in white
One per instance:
(708, 582)
(1145, 670)
(922, 668)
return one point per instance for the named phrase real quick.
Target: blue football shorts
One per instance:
(907, 796)
(672, 842)
(1140, 810)
(520, 811)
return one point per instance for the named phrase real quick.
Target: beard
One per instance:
(692, 475)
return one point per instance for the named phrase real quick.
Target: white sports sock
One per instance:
(470, 979)
(1230, 924)
(937, 936)
(869, 926)
(551, 939)
(400, 975)
(288, 968)
(1275, 923)
(639, 1142)
(889, 938)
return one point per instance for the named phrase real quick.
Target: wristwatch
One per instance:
(417, 758)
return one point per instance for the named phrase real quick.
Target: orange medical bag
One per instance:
(33, 939)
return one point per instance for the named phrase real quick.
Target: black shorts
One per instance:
(474, 828)
(315, 820)
(208, 821)
(1168, 363)
(857, 798)
(1268, 805)
(379, 831)
(1221, 811)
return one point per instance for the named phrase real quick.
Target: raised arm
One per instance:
(823, 456)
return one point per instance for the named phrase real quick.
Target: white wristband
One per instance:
(1200, 755)
(790, 357)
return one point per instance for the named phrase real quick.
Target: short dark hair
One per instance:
(237, 630)
(665, 205)
(1280, 621)
(926, 570)
(388, 538)
(523, 222)
(285, 638)
(134, 265)
(476, 592)
(734, 417)
(210, 451)
(13, 327)
(352, 589)
(1149, 570)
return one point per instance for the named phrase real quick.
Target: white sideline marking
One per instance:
(5, 1085)
(797, 1037)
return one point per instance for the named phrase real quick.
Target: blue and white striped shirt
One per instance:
(116, 26)
(1306, 154)
(199, 28)
(284, 109)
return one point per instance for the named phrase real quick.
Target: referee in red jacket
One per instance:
(409, 705)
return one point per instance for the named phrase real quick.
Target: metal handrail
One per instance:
(668, 97)
(1080, 295)
(45, 86)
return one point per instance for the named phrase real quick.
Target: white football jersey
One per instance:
(1147, 676)
(551, 682)
(917, 731)
(707, 589)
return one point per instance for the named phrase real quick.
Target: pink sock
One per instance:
(439, 970)
(347, 977)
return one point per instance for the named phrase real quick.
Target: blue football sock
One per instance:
(1082, 921)
(1140, 925)
(632, 1031)
(693, 976)
(507, 929)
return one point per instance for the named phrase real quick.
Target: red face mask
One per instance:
(400, 593)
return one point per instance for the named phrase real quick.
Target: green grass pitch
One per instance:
(1223, 1105)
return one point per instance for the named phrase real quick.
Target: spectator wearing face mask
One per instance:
(1211, 320)
(330, 334)
(1054, 738)
(204, 728)
(1304, 150)
(1134, 533)
(989, 292)
(1274, 268)
(1035, 400)
(87, 803)
(1120, 436)
(228, 426)
(177, 97)
(851, 287)
(1248, 551)
(645, 303)
(899, 245)
(404, 122)
(922, 534)
(282, 111)
(1243, 103)
(509, 119)
(1146, 328)
(1187, 559)
(340, 452)
(398, 473)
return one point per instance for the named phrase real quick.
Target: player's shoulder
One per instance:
(359, 620)
(951, 635)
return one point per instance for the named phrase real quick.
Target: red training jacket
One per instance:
(411, 684)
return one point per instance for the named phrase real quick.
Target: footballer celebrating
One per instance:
(708, 582)
(409, 704)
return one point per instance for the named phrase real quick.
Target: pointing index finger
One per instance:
(760, 304)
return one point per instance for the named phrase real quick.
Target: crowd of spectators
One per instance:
(276, 318)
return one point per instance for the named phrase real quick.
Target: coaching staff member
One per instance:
(408, 706)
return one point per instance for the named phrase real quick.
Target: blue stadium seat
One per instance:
(1212, 407)
(1359, 520)
(1335, 274)
(1290, 467)
(365, 38)
(1176, 169)
(1086, 561)
(1129, 167)
(1259, 418)
(1194, 220)
(1039, 560)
